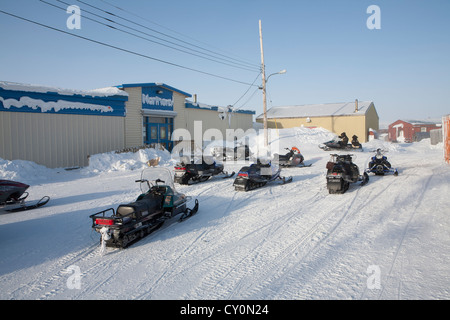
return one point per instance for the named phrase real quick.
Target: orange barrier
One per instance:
(446, 134)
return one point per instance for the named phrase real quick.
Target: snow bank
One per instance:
(111, 161)
(279, 139)
(23, 171)
(30, 172)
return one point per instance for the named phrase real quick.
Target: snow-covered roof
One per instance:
(197, 105)
(102, 92)
(423, 122)
(318, 110)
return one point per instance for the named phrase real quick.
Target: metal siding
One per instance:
(179, 108)
(133, 120)
(210, 120)
(57, 140)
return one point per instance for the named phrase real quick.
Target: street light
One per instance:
(279, 72)
(266, 137)
(264, 81)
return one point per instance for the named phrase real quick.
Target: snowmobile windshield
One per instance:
(379, 154)
(156, 176)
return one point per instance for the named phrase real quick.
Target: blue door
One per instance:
(158, 130)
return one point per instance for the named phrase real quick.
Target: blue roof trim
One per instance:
(153, 84)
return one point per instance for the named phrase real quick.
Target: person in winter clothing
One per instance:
(344, 140)
(355, 142)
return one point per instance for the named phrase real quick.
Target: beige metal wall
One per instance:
(351, 125)
(58, 140)
(372, 119)
(133, 119)
(179, 107)
(210, 120)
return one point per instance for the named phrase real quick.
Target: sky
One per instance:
(212, 49)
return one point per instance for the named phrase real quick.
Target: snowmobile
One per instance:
(257, 175)
(291, 159)
(341, 172)
(13, 195)
(198, 172)
(158, 202)
(240, 152)
(379, 165)
(336, 144)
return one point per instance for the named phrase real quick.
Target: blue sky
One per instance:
(328, 51)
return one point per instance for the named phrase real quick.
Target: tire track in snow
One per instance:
(173, 269)
(227, 274)
(209, 262)
(315, 232)
(405, 230)
(55, 274)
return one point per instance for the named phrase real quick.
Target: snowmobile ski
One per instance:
(29, 205)
(189, 212)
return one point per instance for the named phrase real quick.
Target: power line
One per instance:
(149, 40)
(247, 91)
(239, 61)
(122, 49)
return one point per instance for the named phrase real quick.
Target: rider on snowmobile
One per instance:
(355, 142)
(344, 140)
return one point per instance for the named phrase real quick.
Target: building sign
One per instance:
(157, 98)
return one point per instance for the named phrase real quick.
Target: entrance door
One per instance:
(158, 131)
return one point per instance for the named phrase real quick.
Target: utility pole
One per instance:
(263, 72)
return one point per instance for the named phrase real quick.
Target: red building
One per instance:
(410, 130)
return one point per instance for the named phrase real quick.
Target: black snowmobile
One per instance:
(239, 152)
(339, 144)
(257, 175)
(291, 159)
(379, 165)
(158, 202)
(13, 195)
(199, 172)
(341, 172)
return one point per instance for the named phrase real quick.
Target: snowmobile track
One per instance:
(419, 199)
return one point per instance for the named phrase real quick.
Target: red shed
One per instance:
(406, 130)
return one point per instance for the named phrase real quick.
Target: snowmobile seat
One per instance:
(127, 212)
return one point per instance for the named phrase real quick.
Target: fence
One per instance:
(436, 136)
(446, 128)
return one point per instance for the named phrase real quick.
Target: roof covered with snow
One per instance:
(102, 92)
(196, 105)
(416, 122)
(319, 110)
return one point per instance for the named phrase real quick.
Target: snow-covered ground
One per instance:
(386, 240)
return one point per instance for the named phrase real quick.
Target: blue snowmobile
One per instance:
(379, 165)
